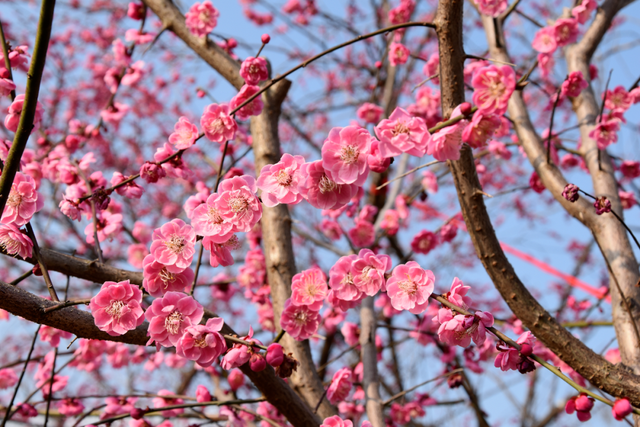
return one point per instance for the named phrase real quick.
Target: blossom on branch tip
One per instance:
(253, 108)
(23, 201)
(402, 133)
(15, 242)
(493, 86)
(202, 343)
(621, 408)
(158, 280)
(280, 182)
(340, 386)
(445, 144)
(344, 155)
(254, 70)
(336, 421)
(117, 308)
(309, 288)
(581, 405)
(238, 203)
(602, 205)
(184, 134)
(398, 54)
(300, 321)
(491, 7)
(217, 124)
(173, 245)
(570, 192)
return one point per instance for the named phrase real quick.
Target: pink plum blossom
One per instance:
(202, 343)
(254, 70)
(509, 358)
(309, 287)
(493, 86)
(618, 99)
(300, 321)
(344, 155)
(341, 279)
(12, 120)
(336, 421)
(460, 329)
(173, 245)
(376, 161)
(565, 31)
(8, 378)
(363, 234)
(184, 134)
(207, 220)
(217, 124)
(280, 182)
(158, 280)
(167, 317)
(340, 386)
(221, 252)
(458, 294)
(238, 203)
(491, 7)
(201, 19)
(253, 108)
(605, 133)
(15, 242)
(398, 54)
(446, 143)
(130, 189)
(410, 287)
(402, 133)
(369, 112)
(23, 201)
(369, 271)
(621, 408)
(117, 309)
(70, 407)
(424, 242)
(480, 129)
(582, 12)
(108, 226)
(161, 401)
(321, 191)
(574, 84)
(52, 335)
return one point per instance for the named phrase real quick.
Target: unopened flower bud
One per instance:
(275, 355)
(526, 350)
(455, 380)
(378, 64)
(570, 192)
(257, 362)
(465, 108)
(200, 94)
(621, 408)
(266, 38)
(137, 413)
(36, 270)
(526, 366)
(232, 43)
(202, 394)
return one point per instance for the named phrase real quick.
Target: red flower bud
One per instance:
(257, 362)
(266, 38)
(465, 108)
(137, 413)
(526, 350)
(275, 355)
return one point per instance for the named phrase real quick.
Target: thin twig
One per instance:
(43, 267)
(7, 61)
(7, 414)
(409, 390)
(53, 373)
(553, 113)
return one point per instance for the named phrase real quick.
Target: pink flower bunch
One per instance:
(621, 408)
(201, 19)
(398, 54)
(237, 204)
(237, 356)
(202, 343)
(424, 242)
(254, 70)
(402, 133)
(446, 143)
(184, 134)
(336, 421)
(344, 155)
(158, 279)
(15, 242)
(410, 287)
(491, 7)
(280, 182)
(492, 88)
(217, 124)
(321, 191)
(167, 317)
(117, 308)
(8, 378)
(15, 110)
(221, 252)
(173, 245)
(340, 386)
(23, 201)
(252, 108)
(309, 288)
(300, 321)
(341, 280)
(563, 32)
(618, 99)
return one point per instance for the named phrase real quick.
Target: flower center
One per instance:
(216, 126)
(326, 185)
(408, 286)
(173, 321)
(166, 276)
(10, 245)
(176, 244)
(201, 342)
(284, 178)
(301, 318)
(115, 309)
(233, 243)
(400, 128)
(349, 154)
(15, 199)
(214, 216)
(347, 280)
(239, 204)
